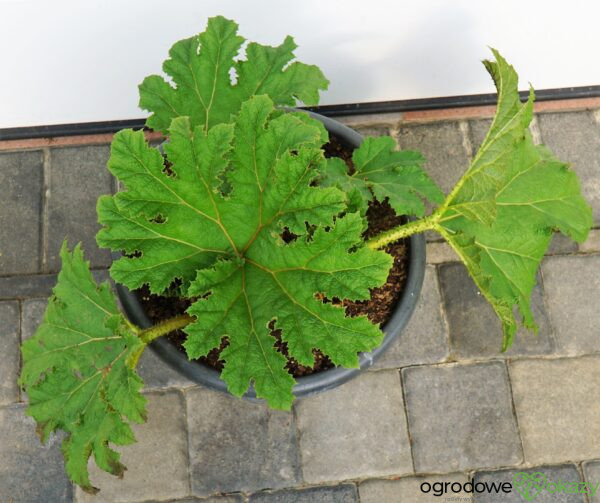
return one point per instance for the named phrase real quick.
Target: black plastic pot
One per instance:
(320, 381)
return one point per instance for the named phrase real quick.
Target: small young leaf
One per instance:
(501, 214)
(383, 172)
(200, 67)
(78, 372)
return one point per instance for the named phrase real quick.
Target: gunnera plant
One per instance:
(240, 171)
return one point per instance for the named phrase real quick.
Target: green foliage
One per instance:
(501, 215)
(183, 222)
(381, 172)
(226, 245)
(262, 232)
(78, 372)
(200, 67)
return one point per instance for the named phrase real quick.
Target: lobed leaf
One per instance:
(175, 224)
(78, 372)
(280, 282)
(501, 215)
(382, 172)
(227, 245)
(171, 220)
(201, 67)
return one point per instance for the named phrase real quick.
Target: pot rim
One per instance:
(319, 381)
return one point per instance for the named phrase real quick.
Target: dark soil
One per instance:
(336, 149)
(378, 308)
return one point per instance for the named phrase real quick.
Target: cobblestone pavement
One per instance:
(443, 405)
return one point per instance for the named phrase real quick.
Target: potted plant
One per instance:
(270, 249)
(391, 304)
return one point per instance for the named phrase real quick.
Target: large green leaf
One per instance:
(78, 372)
(184, 222)
(280, 282)
(382, 172)
(201, 66)
(222, 217)
(501, 214)
(170, 219)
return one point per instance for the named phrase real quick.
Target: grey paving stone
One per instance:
(592, 244)
(561, 245)
(356, 430)
(421, 489)
(21, 182)
(38, 285)
(32, 314)
(157, 464)
(442, 145)
(433, 237)
(572, 287)
(460, 417)
(591, 472)
(231, 498)
(574, 137)
(100, 275)
(424, 339)
(157, 374)
(21, 287)
(78, 177)
(439, 253)
(549, 487)
(234, 498)
(344, 493)
(475, 329)
(9, 352)
(237, 445)
(29, 471)
(557, 408)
